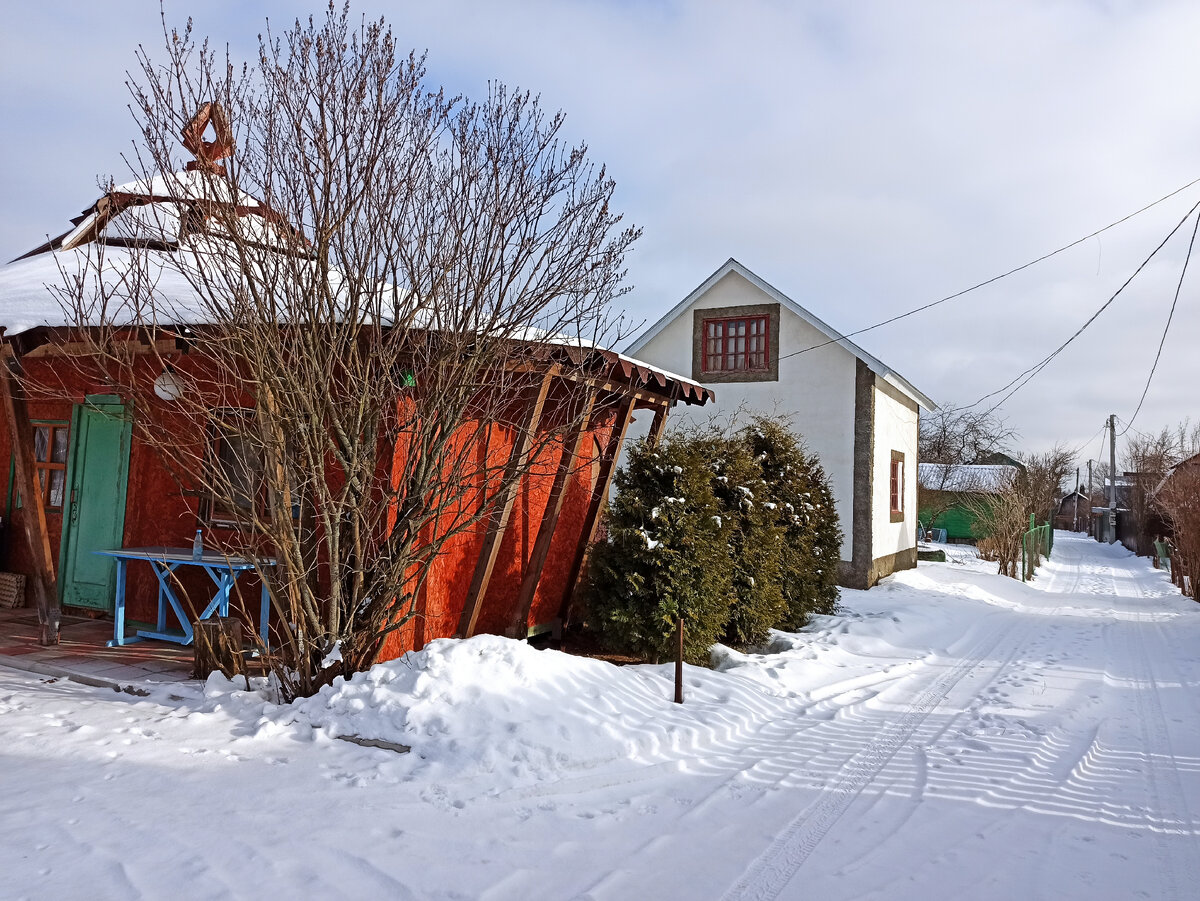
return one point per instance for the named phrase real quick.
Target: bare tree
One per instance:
(955, 439)
(1041, 481)
(367, 273)
(1179, 497)
(1002, 518)
(1146, 459)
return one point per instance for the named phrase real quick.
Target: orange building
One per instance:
(101, 487)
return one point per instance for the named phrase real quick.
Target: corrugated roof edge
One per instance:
(732, 265)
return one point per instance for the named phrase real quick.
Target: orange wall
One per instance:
(158, 512)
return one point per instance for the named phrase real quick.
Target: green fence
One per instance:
(1035, 544)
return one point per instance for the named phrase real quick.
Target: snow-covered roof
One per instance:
(952, 477)
(155, 288)
(885, 372)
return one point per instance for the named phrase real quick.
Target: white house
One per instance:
(763, 352)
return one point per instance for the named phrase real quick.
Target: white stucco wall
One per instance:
(895, 430)
(816, 388)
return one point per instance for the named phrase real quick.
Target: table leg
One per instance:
(161, 572)
(162, 609)
(264, 612)
(119, 607)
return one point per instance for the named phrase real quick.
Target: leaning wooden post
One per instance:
(608, 462)
(679, 659)
(502, 507)
(519, 627)
(45, 586)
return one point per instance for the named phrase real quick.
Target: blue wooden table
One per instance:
(223, 570)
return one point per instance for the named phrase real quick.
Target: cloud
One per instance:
(865, 158)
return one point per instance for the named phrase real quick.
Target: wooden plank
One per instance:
(518, 458)
(519, 627)
(37, 536)
(608, 464)
(657, 427)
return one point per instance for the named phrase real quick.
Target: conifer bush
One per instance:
(666, 553)
(736, 530)
(755, 539)
(812, 535)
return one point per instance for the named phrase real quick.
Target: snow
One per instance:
(950, 734)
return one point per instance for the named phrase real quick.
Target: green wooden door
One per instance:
(94, 514)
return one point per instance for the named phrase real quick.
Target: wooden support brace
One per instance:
(501, 508)
(657, 427)
(519, 627)
(608, 464)
(20, 429)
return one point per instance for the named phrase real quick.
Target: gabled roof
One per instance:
(731, 265)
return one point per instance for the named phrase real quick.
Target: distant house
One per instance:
(765, 353)
(1074, 512)
(948, 492)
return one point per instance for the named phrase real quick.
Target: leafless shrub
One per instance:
(1179, 498)
(955, 439)
(1147, 459)
(359, 341)
(1002, 518)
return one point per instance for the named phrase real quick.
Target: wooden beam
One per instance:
(519, 627)
(37, 536)
(657, 426)
(502, 505)
(608, 464)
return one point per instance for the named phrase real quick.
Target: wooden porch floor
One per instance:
(81, 651)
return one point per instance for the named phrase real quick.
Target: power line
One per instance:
(994, 278)
(1166, 328)
(1024, 378)
(1090, 440)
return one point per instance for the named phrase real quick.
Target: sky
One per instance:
(865, 158)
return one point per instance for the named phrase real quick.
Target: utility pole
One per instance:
(1075, 502)
(1090, 497)
(1112, 478)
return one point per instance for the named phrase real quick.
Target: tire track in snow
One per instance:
(770, 873)
(1179, 865)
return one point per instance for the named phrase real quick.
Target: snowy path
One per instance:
(952, 734)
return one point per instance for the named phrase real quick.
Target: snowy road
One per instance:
(953, 734)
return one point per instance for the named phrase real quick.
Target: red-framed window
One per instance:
(897, 485)
(738, 344)
(50, 462)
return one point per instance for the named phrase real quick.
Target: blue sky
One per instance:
(865, 158)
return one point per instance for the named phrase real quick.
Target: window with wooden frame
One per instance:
(50, 445)
(238, 474)
(737, 344)
(897, 486)
(237, 469)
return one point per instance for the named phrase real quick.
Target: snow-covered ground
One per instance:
(952, 734)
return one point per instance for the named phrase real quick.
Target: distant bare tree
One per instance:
(1179, 497)
(369, 278)
(955, 438)
(1041, 482)
(1003, 518)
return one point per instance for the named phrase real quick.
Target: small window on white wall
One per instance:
(897, 486)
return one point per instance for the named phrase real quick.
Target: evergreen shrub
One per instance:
(796, 482)
(736, 530)
(665, 554)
